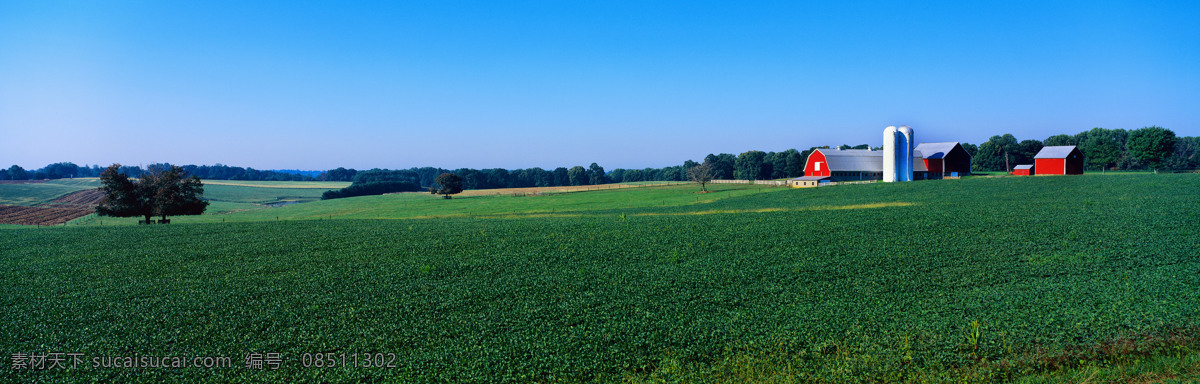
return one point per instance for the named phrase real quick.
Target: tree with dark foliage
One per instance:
(1151, 145)
(164, 192)
(449, 184)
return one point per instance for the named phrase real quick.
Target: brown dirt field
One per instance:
(11, 214)
(537, 190)
(82, 199)
(58, 211)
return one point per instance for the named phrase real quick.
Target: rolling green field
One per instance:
(38, 193)
(981, 279)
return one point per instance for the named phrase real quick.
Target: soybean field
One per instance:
(976, 280)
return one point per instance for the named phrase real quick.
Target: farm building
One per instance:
(1023, 170)
(1058, 160)
(945, 159)
(807, 181)
(853, 164)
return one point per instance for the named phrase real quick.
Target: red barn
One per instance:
(944, 159)
(1023, 170)
(1058, 160)
(853, 164)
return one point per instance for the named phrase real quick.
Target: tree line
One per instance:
(1112, 149)
(1149, 148)
(67, 170)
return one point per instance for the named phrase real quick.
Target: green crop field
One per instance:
(417, 205)
(977, 280)
(38, 193)
(227, 196)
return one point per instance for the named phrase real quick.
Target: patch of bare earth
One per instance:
(58, 211)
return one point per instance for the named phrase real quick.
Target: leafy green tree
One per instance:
(339, 174)
(1104, 147)
(382, 175)
(1187, 154)
(971, 149)
(174, 194)
(61, 170)
(162, 192)
(577, 175)
(1151, 145)
(633, 175)
(723, 165)
(618, 175)
(15, 172)
(596, 174)
(749, 165)
(123, 197)
(562, 176)
(793, 163)
(1059, 140)
(370, 188)
(996, 154)
(1026, 150)
(449, 184)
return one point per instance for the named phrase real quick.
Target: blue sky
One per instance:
(317, 85)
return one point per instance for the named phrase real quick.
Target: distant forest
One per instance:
(1104, 149)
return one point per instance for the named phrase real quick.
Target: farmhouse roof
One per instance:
(854, 159)
(810, 178)
(1055, 152)
(1024, 166)
(862, 160)
(935, 150)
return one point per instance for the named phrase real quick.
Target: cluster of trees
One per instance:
(1153, 148)
(377, 182)
(212, 172)
(161, 192)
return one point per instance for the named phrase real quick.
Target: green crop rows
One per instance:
(614, 291)
(37, 193)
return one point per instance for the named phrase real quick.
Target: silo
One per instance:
(907, 151)
(889, 154)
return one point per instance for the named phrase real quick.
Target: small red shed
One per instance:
(1058, 160)
(1023, 170)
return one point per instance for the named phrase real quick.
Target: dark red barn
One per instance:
(1058, 160)
(945, 159)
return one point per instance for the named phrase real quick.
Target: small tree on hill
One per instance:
(164, 192)
(449, 184)
(702, 174)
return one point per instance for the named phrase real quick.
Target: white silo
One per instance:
(906, 170)
(889, 154)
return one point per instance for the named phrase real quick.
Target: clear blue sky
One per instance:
(627, 84)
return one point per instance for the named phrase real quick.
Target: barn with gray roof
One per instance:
(853, 164)
(945, 159)
(1058, 160)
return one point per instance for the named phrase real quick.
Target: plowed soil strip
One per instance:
(11, 214)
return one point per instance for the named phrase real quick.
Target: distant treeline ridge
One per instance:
(1111, 149)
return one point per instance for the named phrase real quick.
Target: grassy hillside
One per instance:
(975, 279)
(31, 194)
(418, 205)
(242, 195)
